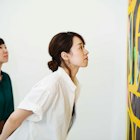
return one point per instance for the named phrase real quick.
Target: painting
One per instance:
(133, 70)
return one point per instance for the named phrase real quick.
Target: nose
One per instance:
(86, 51)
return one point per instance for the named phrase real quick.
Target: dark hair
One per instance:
(60, 42)
(1, 41)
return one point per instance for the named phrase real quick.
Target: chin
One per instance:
(5, 61)
(85, 65)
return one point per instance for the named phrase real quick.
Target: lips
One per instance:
(86, 58)
(5, 56)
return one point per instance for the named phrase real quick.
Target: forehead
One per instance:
(77, 40)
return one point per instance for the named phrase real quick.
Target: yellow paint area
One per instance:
(135, 58)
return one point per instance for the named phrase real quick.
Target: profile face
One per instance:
(3, 54)
(78, 55)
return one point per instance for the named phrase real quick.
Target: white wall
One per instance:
(27, 27)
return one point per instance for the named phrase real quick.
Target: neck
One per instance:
(0, 66)
(0, 69)
(71, 72)
(0, 73)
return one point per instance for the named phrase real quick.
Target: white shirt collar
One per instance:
(67, 78)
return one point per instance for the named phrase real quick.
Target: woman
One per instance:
(48, 110)
(6, 94)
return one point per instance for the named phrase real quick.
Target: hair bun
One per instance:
(53, 65)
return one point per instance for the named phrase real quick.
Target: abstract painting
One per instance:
(133, 70)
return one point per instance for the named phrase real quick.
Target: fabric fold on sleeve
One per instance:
(36, 101)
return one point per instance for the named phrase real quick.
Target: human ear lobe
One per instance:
(64, 55)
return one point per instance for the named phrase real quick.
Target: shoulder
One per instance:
(44, 88)
(50, 81)
(52, 78)
(5, 75)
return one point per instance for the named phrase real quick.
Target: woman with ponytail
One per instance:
(47, 112)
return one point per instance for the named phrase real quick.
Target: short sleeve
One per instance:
(36, 101)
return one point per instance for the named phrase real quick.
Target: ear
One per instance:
(64, 56)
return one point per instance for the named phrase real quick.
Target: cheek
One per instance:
(1, 55)
(76, 60)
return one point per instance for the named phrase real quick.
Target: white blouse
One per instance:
(51, 100)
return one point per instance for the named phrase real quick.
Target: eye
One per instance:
(82, 47)
(0, 47)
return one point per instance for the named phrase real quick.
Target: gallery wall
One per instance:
(27, 27)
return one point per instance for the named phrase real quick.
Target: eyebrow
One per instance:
(81, 43)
